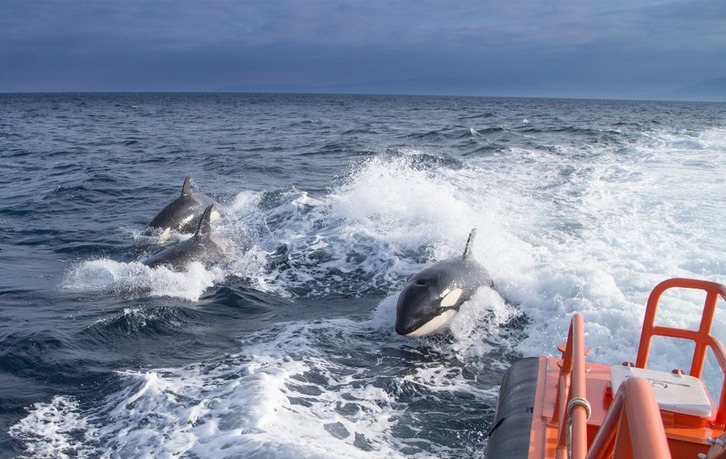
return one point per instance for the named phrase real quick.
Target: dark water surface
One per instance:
(288, 349)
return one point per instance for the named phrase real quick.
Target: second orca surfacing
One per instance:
(206, 247)
(183, 214)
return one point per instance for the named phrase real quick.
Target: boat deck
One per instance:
(687, 434)
(592, 410)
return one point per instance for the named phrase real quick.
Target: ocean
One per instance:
(331, 202)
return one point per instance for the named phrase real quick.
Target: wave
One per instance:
(389, 217)
(109, 276)
(327, 388)
(136, 322)
(288, 348)
(550, 224)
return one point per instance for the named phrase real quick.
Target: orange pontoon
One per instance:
(565, 407)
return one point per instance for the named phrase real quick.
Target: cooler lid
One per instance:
(677, 393)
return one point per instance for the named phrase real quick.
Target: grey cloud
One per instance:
(192, 45)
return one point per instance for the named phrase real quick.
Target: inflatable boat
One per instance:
(566, 407)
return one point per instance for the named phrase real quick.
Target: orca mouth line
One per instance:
(433, 325)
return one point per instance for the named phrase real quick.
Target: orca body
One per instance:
(182, 214)
(206, 247)
(431, 298)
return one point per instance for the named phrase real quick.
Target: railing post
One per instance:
(649, 323)
(632, 427)
(702, 337)
(572, 386)
(704, 331)
(578, 392)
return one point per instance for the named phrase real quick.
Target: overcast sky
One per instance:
(580, 48)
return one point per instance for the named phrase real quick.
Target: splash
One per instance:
(383, 222)
(108, 276)
(55, 429)
(285, 394)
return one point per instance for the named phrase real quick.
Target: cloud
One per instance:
(193, 45)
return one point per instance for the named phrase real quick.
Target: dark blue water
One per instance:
(288, 349)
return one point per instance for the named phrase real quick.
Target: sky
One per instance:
(551, 48)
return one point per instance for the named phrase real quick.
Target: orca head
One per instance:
(425, 306)
(431, 299)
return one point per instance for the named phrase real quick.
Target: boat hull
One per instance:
(513, 418)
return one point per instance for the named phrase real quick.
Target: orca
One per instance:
(182, 214)
(206, 246)
(431, 298)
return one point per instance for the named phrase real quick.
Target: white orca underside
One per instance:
(434, 325)
(164, 236)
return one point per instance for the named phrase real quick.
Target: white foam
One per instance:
(589, 230)
(56, 429)
(288, 393)
(559, 235)
(602, 234)
(108, 276)
(267, 399)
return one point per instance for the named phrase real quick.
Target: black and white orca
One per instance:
(431, 298)
(183, 214)
(206, 246)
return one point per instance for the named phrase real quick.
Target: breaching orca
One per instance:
(431, 298)
(206, 246)
(183, 213)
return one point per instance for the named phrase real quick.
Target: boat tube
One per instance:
(513, 418)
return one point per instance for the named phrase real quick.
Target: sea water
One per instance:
(331, 202)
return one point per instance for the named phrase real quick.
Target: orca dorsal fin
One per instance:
(469, 243)
(186, 188)
(205, 226)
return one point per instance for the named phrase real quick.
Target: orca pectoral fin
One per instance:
(186, 188)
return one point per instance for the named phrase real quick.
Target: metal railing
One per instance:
(633, 427)
(635, 401)
(572, 434)
(702, 337)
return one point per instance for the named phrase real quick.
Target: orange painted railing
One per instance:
(634, 401)
(702, 337)
(633, 427)
(572, 387)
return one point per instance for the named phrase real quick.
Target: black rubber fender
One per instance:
(509, 435)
